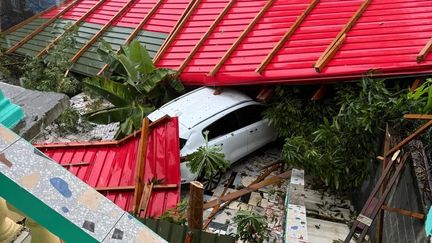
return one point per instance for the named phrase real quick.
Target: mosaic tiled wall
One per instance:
(57, 200)
(295, 222)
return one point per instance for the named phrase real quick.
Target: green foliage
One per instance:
(251, 227)
(136, 87)
(208, 159)
(68, 120)
(423, 94)
(52, 74)
(177, 215)
(335, 139)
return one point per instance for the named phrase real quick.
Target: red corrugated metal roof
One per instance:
(112, 164)
(388, 36)
(209, 45)
(163, 20)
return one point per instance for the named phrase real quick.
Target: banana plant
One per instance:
(134, 89)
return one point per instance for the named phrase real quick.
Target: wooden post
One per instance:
(195, 210)
(140, 165)
(380, 223)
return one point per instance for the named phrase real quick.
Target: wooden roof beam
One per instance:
(331, 50)
(206, 35)
(183, 20)
(89, 43)
(136, 30)
(76, 23)
(286, 36)
(424, 52)
(241, 38)
(42, 27)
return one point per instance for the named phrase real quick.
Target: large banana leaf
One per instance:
(132, 72)
(116, 93)
(150, 81)
(119, 114)
(139, 57)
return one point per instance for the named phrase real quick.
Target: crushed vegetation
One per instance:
(336, 138)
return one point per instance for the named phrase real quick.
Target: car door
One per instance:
(251, 119)
(226, 132)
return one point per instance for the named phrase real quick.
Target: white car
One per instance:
(233, 119)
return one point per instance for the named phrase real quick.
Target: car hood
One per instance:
(184, 132)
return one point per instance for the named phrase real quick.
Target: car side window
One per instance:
(250, 114)
(222, 126)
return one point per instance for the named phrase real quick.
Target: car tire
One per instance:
(210, 184)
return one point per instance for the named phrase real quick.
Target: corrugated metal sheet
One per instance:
(10, 114)
(113, 164)
(175, 233)
(387, 37)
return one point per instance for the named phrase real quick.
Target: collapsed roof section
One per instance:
(111, 167)
(116, 21)
(238, 42)
(231, 42)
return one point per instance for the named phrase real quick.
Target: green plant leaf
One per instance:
(140, 57)
(116, 93)
(130, 69)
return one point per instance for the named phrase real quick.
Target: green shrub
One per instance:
(335, 139)
(251, 227)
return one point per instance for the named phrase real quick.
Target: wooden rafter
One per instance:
(241, 38)
(140, 165)
(89, 43)
(338, 41)
(75, 24)
(206, 35)
(42, 27)
(424, 52)
(136, 30)
(286, 36)
(176, 31)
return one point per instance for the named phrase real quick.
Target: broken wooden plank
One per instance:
(70, 28)
(414, 135)
(417, 82)
(319, 94)
(140, 164)
(408, 213)
(89, 43)
(42, 27)
(418, 116)
(286, 36)
(243, 35)
(216, 208)
(135, 32)
(145, 199)
(75, 164)
(338, 41)
(176, 31)
(424, 52)
(205, 36)
(265, 94)
(249, 189)
(380, 224)
(195, 209)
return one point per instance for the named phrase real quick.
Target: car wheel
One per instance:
(212, 183)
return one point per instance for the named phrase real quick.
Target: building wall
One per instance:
(13, 12)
